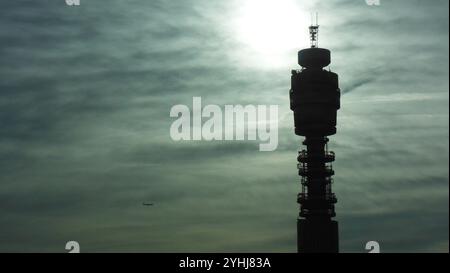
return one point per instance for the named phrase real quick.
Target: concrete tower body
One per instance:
(315, 99)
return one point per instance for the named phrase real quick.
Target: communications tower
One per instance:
(315, 99)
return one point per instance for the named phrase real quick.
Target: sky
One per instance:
(85, 97)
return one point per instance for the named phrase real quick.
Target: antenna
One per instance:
(314, 31)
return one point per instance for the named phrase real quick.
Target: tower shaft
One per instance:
(317, 232)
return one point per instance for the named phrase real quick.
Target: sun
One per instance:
(271, 28)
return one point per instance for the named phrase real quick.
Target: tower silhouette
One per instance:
(315, 99)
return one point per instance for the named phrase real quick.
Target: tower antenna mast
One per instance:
(314, 31)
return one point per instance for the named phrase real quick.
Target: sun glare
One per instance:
(271, 28)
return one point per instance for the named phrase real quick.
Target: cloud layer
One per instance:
(85, 95)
